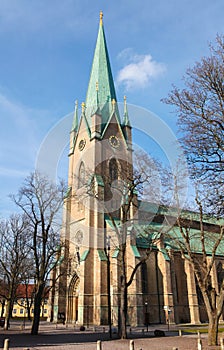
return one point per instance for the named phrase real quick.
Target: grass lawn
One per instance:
(201, 328)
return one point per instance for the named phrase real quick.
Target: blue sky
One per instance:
(46, 55)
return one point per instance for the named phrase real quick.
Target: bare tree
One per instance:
(14, 252)
(199, 239)
(200, 110)
(40, 200)
(2, 298)
(124, 187)
(201, 247)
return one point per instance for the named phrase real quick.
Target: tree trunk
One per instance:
(28, 304)
(3, 308)
(213, 330)
(213, 317)
(123, 313)
(37, 309)
(9, 305)
(123, 304)
(29, 313)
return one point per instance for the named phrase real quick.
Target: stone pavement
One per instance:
(61, 337)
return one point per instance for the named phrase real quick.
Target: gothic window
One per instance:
(220, 274)
(113, 169)
(199, 294)
(81, 178)
(78, 238)
(144, 278)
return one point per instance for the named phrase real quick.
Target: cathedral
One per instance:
(163, 288)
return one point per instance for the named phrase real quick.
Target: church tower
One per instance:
(104, 243)
(100, 154)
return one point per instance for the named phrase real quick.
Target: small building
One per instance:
(24, 301)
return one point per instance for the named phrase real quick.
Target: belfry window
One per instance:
(81, 177)
(113, 170)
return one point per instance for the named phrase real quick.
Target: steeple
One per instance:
(100, 99)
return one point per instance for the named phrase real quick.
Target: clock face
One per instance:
(114, 141)
(82, 144)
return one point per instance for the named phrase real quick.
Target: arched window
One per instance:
(81, 178)
(220, 274)
(113, 169)
(144, 278)
(199, 294)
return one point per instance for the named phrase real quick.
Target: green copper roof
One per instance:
(102, 255)
(84, 255)
(95, 179)
(115, 253)
(68, 192)
(101, 89)
(135, 251)
(165, 254)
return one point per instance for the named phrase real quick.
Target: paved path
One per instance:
(62, 338)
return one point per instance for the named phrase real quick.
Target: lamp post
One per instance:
(87, 316)
(24, 318)
(167, 312)
(108, 283)
(146, 315)
(77, 254)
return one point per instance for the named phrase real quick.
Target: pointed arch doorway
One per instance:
(73, 299)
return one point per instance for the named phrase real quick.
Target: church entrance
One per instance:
(73, 295)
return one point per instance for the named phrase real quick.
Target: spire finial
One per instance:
(83, 107)
(101, 18)
(113, 104)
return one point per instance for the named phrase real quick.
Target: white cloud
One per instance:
(139, 71)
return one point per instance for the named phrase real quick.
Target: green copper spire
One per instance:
(100, 98)
(75, 119)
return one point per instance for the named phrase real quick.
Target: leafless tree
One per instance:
(209, 243)
(40, 200)
(199, 239)
(124, 187)
(14, 253)
(200, 110)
